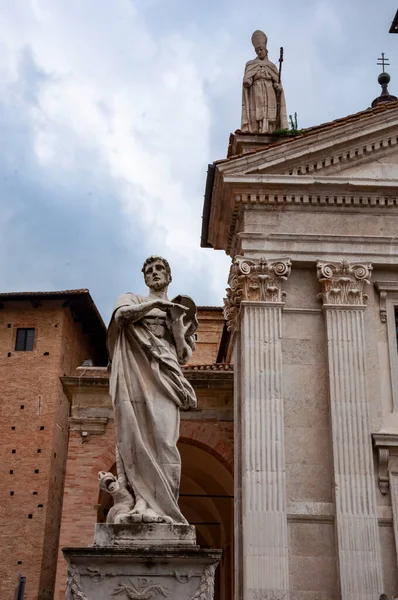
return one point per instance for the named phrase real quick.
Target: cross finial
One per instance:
(383, 61)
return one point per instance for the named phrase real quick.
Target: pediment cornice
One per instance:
(325, 152)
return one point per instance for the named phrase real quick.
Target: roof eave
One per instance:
(204, 243)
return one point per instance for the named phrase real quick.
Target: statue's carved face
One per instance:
(108, 482)
(261, 52)
(156, 276)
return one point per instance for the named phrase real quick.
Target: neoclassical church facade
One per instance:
(290, 463)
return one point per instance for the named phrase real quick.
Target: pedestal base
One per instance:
(142, 562)
(100, 573)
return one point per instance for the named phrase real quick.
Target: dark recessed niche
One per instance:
(11, 471)
(9, 325)
(9, 354)
(46, 354)
(55, 455)
(38, 451)
(36, 470)
(22, 406)
(13, 451)
(30, 516)
(11, 493)
(35, 493)
(41, 427)
(13, 427)
(56, 325)
(40, 506)
(19, 562)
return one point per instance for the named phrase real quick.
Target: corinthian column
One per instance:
(253, 310)
(344, 303)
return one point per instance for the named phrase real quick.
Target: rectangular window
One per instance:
(25, 339)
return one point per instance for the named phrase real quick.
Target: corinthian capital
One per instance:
(254, 280)
(343, 282)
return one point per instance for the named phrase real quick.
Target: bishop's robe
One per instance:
(260, 100)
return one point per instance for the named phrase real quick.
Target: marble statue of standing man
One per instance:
(262, 92)
(149, 337)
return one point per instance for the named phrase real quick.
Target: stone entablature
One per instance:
(306, 194)
(254, 280)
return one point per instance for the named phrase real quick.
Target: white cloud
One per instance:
(141, 107)
(146, 101)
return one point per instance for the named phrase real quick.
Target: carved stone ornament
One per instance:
(142, 590)
(254, 280)
(205, 590)
(384, 481)
(73, 588)
(343, 282)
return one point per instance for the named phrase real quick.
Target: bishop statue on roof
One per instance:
(263, 101)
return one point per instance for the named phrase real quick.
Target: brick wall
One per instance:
(211, 323)
(34, 434)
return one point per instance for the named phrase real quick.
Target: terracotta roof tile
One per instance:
(102, 372)
(54, 293)
(212, 367)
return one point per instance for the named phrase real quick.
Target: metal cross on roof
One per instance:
(383, 61)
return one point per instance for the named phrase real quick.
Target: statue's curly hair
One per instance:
(154, 258)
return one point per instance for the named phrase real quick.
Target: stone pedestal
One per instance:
(142, 562)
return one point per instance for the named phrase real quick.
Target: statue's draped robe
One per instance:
(259, 101)
(148, 388)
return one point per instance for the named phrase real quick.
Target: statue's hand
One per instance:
(246, 84)
(165, 305)
(277, 87)
(177, 311)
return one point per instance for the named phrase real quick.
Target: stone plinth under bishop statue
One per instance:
(146, 549)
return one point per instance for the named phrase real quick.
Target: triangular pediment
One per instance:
(364, 145)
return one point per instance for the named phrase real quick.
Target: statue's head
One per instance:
(259, 41)
(157, 272)
(108, 482)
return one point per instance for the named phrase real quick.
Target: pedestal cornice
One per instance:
(254, 280)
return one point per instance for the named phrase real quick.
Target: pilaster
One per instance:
(344, 303)
(253, 310)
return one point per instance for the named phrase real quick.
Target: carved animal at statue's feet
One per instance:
(125, 509)
(123, 501)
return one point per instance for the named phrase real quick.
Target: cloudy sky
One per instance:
(110, 111)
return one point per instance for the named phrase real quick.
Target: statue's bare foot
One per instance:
(150, 516)
(166, 519)
(140, 507)
(122, 518)
(135, 517)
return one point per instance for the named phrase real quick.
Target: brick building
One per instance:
(43, 336)
(57, 433)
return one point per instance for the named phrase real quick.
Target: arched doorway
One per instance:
(206, 500)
